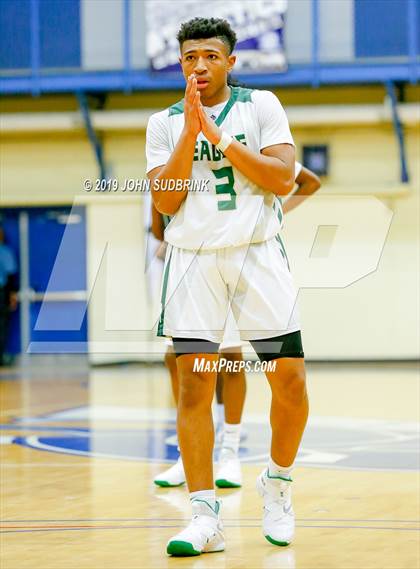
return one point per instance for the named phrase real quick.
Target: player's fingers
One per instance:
(193, 90)
(188, 88)
(201, 112)
(197, 102)
(193, 86)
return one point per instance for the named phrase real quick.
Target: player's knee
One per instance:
(194, 391)
(291, 388)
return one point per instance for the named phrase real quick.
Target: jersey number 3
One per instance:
(225, 188)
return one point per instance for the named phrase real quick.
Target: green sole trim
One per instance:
(274, 542)
(222, 483)
(166, 484)
(181, 549)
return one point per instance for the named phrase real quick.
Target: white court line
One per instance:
(45, 465)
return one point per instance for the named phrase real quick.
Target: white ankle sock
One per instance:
(278, 471)
(220, 414)
(208, 496)
(231, 437)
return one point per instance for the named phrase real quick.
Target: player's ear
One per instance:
(231, 62)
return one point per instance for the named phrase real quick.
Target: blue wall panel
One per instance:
(57, 264)
(57, 261)
(15, 34)
(60, 322)
(60, 33)
(381, 27)
(10, 222)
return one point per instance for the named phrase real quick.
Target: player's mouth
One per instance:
(202, 84)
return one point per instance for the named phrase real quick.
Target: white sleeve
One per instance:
(298, 169)
(274, 126)
(158, 149)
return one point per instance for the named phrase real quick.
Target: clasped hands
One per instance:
(196, 120)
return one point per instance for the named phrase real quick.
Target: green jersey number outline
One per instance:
(226, 188)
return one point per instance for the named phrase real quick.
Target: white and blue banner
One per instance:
(258, 24)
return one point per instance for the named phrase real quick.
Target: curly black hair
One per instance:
(204, 28)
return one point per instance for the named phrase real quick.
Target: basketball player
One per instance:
(222, 252)
(233, 384)
(230, 386)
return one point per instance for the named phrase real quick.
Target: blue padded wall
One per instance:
(381, 27)
(59, 33)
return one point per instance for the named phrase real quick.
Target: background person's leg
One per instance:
(234, 387)
(174, 475)
(228, 473)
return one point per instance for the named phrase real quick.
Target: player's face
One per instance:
(210, 61)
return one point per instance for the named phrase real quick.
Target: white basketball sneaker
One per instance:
(278, 517)
(173, 476)
(204, 534)
(229, 474)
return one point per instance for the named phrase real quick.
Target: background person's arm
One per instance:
(307, 184)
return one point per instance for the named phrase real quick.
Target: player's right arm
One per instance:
(180, 161)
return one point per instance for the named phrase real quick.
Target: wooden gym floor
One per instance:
(79, 449)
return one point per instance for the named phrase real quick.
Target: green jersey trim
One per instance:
(237, 95)
(177, 108)
(280, 211)
(282, 249)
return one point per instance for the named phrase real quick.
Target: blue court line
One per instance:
(226, 525)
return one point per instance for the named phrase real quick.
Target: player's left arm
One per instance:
(307, 184)
(273, 168)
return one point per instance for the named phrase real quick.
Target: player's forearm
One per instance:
(267, 172)
(178, 167)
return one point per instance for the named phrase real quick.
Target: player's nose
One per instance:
(200, 66)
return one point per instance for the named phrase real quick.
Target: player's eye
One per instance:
(189, 57)
(212, 56)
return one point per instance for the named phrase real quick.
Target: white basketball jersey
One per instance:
(234, 211)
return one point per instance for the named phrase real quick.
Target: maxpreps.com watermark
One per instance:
(222, 364)
(137, 185)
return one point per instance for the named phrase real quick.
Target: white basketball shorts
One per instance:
(200, 287)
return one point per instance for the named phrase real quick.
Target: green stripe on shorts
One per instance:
(282, 249)
(163, 298)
